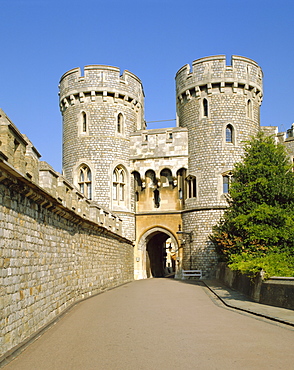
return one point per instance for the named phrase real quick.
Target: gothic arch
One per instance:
(119, 186)
(154, 236)
(229, 134)
(86, 185)
(166, 177)
(150, 177)
(120, 123)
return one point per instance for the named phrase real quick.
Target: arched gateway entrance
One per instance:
(159, 253)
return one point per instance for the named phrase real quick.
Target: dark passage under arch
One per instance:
(156, 255)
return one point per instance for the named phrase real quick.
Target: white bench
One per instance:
(190, 273)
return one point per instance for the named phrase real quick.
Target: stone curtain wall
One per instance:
(50, 259)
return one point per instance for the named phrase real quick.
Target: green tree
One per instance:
(260, 216)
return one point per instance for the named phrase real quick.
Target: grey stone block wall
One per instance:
(200, 253)
(233, 96)
(102, 94)
(50, 258)
(158, 149)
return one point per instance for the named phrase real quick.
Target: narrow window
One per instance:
(114, 191)
(114, 185)
(119, 123)
(82, 176)
(249, 108)
(121, 186)
(192, 186)
(85, 181)
(121, 192)
(89, 184)
(181, 174)
(226, 182)
(229, 134)
(84, 122)
(156, 198)
(189, 189)
(205, 108)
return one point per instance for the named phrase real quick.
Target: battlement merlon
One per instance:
(243, 72)
(101, 78)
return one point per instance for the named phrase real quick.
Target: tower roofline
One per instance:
(100, 67)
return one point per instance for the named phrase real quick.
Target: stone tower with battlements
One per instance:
(100, 110)
(219, 105)
(168, 186)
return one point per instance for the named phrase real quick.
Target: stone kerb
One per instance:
(276, 291)
(212, 71)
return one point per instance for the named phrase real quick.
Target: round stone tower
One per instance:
(100, 110)
(220, 107)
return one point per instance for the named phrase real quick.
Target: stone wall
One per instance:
(100, 110)
(276, 291)
(199, 252)
(56, 246)
(219, 105)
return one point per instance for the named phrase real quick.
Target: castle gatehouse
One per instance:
(131, 202)
(168, 186)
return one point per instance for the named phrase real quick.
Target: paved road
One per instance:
(159, 324)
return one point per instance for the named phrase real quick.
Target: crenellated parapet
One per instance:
(17, 149)
(67, 195)
(21, 170)
(212, 75)
(100, 82)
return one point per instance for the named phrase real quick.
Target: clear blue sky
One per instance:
(42, 39)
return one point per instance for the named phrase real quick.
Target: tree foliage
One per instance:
(272, 264)
(260, 216)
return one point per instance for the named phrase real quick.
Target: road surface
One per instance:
(158, 324)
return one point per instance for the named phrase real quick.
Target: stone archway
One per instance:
(157, 257)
